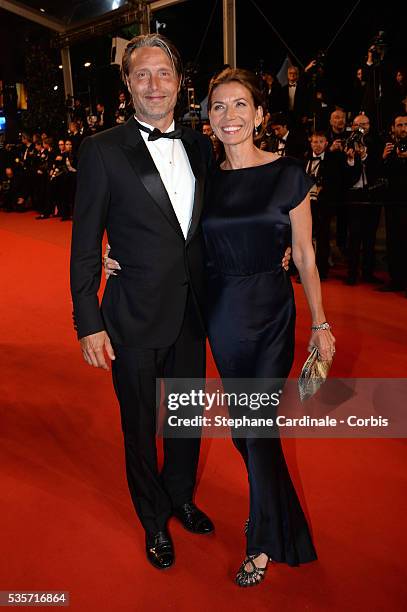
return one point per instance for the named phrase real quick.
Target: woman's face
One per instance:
(233, 115)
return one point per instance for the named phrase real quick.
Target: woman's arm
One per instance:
(304, 260)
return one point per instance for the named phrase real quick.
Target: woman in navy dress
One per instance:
(257, 205)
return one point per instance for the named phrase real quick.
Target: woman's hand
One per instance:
(324, 340)
(110, 265)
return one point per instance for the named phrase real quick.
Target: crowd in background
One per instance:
(357, 156)
(39, 172)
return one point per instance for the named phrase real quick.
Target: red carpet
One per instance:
(67, 522)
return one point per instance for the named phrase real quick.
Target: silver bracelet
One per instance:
(324, 325)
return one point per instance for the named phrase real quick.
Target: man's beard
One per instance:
(143, 111)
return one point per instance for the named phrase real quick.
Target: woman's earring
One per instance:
(257, 129)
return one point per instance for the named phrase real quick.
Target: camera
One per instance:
(378, 46)
(356, 137)
(320, 59)
(401, 145)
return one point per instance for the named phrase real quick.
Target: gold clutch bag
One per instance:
(313, 374)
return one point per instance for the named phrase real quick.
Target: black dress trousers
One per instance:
(135, 371)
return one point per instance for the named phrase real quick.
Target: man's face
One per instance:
(68, 146)
(99, 108)
(153, 84)
(207, 130)
(361, 121)
(61, 145)
(268, 78)
(292, 75)
(400, 127)
(9, 173)
(399, 77)
(318, 144)
(338, 121)
(122, 97)
(279, 130)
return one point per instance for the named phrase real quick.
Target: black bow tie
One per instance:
(316, 157)
(155, 134)
(292, 84)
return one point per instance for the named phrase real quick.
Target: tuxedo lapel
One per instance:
(194, 155)
(145, 168)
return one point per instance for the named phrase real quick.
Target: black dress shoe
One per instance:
(193, 519)
(160, 550)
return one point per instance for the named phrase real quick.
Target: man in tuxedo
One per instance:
(272, 92)
(295, 97)
(287, 141)
(332, 177)
(143, 182)
(395, 171)
(364, 197)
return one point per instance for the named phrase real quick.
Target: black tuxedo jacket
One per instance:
(296, 144)
(301, 102)
(334, 176)
(119, 189)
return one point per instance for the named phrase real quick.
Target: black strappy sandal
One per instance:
(246, 578)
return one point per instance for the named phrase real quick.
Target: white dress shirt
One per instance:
(172, 163)
(282, 143)
(362, 181)
(313, 170)
(291, 95)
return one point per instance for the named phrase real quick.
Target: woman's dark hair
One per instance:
(245, 78)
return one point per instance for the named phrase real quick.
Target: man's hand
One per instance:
(93, 347)
(286, 259)
(337, 145)
(360, 150)
(311, 65)
(388, 149)
(350, 153)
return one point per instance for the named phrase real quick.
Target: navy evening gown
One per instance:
(251, 325)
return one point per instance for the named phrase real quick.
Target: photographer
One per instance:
(373, 70)
(318, 93)
(332, 176)
(337, 133)
(364, 153)
(395, 170)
